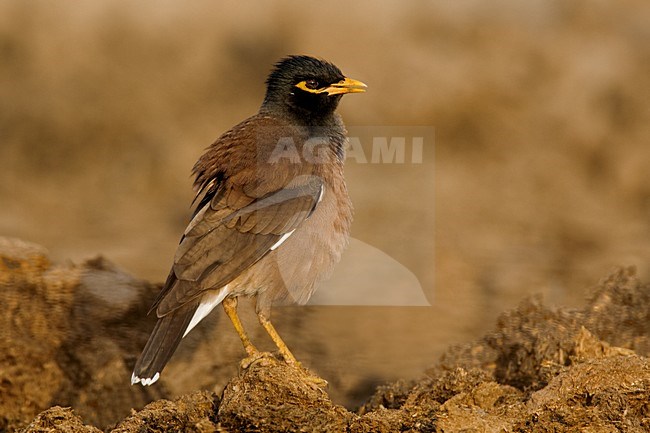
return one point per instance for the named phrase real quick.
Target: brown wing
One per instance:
(231, 232)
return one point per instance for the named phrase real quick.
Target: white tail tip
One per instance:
(146, 381)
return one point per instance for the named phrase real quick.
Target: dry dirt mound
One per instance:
(69, 334)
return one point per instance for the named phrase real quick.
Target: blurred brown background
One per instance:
(538, 181)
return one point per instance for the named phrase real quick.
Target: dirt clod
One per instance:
(273, 396)
(70, 333)
(192, 413)
(59, 419)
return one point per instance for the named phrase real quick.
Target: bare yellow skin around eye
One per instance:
(346, 85)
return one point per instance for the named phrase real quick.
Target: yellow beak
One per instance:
(346, 85)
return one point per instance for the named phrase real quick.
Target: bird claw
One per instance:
(260, 358)
(319, 382)
(309, 376)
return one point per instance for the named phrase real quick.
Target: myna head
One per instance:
(307, 87)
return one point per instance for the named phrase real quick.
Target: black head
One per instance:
(307, 87)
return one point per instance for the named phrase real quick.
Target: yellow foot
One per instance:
(310, 376)
(319, 382)
(261, 358)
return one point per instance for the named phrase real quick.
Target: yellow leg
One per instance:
(270, 329)
(230, 307)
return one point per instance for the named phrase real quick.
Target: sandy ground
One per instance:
(67, 351)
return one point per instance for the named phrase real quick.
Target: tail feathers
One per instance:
(162, 343)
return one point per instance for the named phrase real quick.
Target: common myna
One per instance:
(273, 213)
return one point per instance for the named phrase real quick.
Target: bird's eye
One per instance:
(312, 84)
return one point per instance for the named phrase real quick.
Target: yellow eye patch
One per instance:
(303, 86)
(346, 85)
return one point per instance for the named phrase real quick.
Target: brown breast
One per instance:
(291, 273)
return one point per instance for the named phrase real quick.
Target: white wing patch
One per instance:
(208, 302)
(197, 218)
(282, 239)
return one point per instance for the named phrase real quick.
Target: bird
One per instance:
(272, 214)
